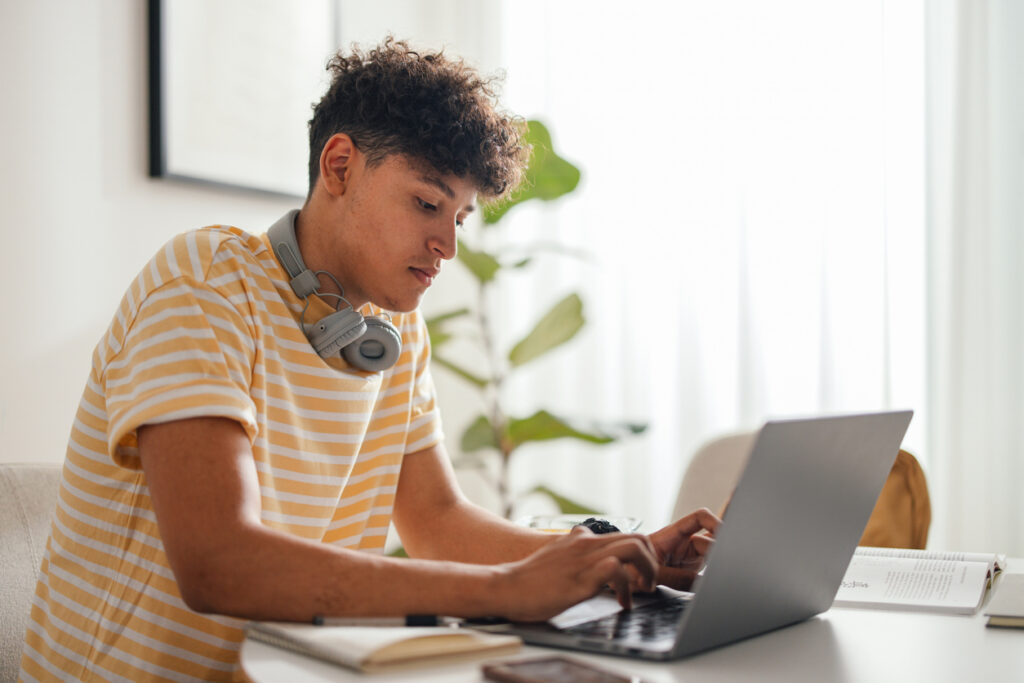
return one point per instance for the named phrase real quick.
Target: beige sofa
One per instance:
(28, 496)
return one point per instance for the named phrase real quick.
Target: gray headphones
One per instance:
(372, 344)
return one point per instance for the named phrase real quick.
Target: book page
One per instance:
(992, 560)
(938, 585)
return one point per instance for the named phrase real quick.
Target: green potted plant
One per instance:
(496, 433)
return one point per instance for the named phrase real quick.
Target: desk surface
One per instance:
(843, 644)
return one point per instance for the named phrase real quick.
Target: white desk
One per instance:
(839, 645)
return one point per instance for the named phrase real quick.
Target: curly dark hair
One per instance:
(395, 100)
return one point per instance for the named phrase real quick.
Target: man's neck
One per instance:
(308, 229)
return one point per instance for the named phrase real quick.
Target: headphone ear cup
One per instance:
(378, 349)
(331, 334)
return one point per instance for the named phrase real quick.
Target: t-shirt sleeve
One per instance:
(424, 415)
(188, 352)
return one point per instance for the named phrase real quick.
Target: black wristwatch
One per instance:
(599, 526)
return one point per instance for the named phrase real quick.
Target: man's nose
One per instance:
(445, 244)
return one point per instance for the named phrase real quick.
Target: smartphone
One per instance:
(554, 669)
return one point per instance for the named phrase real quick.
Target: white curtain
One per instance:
(976, 259)
(753, 201)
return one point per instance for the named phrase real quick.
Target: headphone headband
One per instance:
(286, 246)
(370, 344)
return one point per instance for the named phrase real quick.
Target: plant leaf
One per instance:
(613, 431)
(548, 176)
(476, 380)
(437, 320)
(478, 435)
(559, 325)
(480, 263)
(437, 338)
(543, 426)
(435, 326)
(565, 506)
(618, 430)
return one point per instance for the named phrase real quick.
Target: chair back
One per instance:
(713, 472)
(29, 495)
(901, 517)
(903, 513)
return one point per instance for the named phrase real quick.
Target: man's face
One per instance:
(396, 224)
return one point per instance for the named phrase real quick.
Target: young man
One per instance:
(220, 469)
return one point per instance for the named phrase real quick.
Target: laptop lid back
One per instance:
(795, 519)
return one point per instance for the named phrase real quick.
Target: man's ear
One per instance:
(336, 163)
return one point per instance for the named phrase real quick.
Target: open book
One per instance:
(922, 580)
(374, 648)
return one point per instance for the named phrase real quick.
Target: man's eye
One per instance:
(426, 205)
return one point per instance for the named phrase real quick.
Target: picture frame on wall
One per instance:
(231, 89)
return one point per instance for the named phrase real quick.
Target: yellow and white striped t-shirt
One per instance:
(210, 328)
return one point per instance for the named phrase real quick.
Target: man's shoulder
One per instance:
(210, 255)
(203, 247)
(213, 258)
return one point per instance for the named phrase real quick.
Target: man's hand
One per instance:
(576, 567)
(682, 547)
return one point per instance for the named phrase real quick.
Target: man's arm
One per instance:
(205, 493)
(435, 520)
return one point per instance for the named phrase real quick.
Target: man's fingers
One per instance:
(579, 564)
(698, 520)
(638, 553)
(636, 549)
(702, 544)
(611, 572)
(678, 578)
(691, 556)
(637, 583)
(675, 539)
(619, 560)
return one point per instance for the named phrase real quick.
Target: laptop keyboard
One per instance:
(651, 622)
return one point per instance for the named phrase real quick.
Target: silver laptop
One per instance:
(792, 525)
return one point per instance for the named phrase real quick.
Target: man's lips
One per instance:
(425, 275)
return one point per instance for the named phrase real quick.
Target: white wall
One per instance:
(80, 217)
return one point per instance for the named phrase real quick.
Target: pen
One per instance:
(410, 620)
